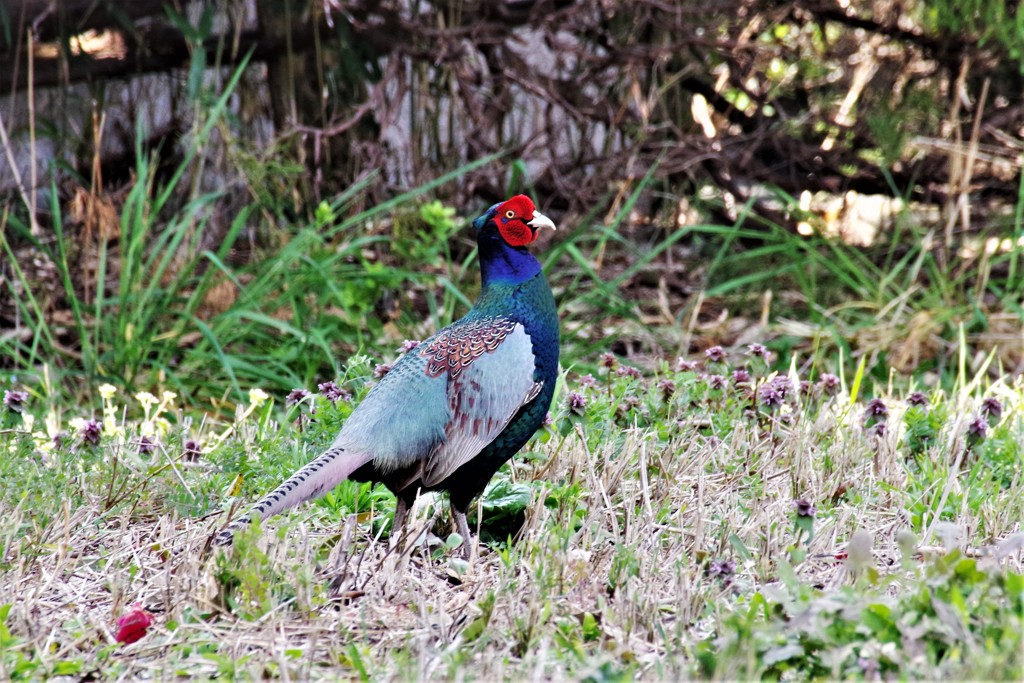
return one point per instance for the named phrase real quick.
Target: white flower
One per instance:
(107, 391)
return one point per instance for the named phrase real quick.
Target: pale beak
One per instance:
(539, 220)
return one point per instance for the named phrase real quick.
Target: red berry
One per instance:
(133, 625)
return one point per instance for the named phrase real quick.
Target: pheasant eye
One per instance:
(510, 214)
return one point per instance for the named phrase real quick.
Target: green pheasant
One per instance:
(454, 409)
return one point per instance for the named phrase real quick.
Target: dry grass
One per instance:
(608, 577)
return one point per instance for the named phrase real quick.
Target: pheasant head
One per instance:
(503, 232)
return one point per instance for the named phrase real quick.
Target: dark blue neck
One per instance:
(501, 264)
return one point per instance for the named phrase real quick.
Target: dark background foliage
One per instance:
(894, 126)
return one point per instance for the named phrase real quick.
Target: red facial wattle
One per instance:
(515, 231)
(512, 217)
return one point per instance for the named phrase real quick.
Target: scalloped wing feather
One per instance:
(483, 396)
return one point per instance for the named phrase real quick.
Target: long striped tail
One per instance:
(312, 481)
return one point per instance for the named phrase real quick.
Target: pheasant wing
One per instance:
(490, 377)
(444, 402)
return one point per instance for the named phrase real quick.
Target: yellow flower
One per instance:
(109, 424)
(44, 443)
(166, 400)
(52, 424)
(258, 397)
(147, 399)
(107, 391)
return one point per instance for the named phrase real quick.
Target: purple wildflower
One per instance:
(715, 381)
(992, 409)
(806, 388)
(577, 402)
(877, 429)
(296, 396)
(783, 384)
(59, 439)
(548, 419)
(918, 398)
(976, 429)
(15, 400)
(332, 392)
(628, 371)
(722, 570)
(759, 351)
(804, 508)
(381, 369)
(770, 395)
(715, 354)
(608, 360)
(830, 384)
(192, 451)
(740, 376)
(588, 381)
(145, 445)
(876, 408)
(629, 403)
(408, 345)
(667, 388)
(683, 365)
(90, 432)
